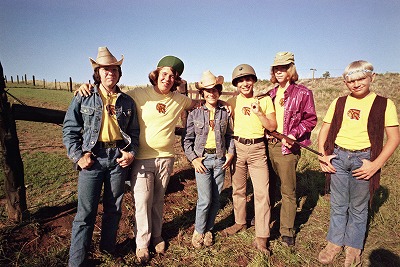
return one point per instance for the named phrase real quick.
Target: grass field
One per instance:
(43, 238)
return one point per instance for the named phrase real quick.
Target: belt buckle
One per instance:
(248, 142)
(112, 144)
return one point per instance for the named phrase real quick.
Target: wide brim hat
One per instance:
(283, 58)
(172, 62)
(105, 58)
(209, 80)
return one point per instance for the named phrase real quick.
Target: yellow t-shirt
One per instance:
(109, 130)
(210, 143)
(353, 133)
(158, 115)
(246, 123)
(279, 108)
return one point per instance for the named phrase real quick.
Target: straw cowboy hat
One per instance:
(208, 80)
(105, 58)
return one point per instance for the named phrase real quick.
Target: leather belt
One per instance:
(210, 150)
(248, 142)
(112, 144)
(353, 151)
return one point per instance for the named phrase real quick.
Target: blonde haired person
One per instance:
(351, 139)
(296, 118)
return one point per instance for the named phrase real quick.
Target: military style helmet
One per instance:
(242, 70)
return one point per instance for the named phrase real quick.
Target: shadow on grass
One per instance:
(176, 180)
(383, 258)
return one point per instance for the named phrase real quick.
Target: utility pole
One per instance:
(313, 70)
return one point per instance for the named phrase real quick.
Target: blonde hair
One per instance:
(358, 70)
(291, 71)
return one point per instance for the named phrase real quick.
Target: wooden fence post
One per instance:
(17, 79)
(33, 79)
(5, 78)
(26, 80)
(12, 81)
(44, 83)
(70, 84)
(11, 160)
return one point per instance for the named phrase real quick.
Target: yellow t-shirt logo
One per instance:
(161, 108)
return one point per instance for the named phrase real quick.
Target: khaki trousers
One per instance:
(150, 178)
(252, 159)
(284, 169)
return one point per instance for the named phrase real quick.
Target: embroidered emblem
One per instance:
(246, 111)
(161, 108)
(110, 109)
(354, 114)
(282, 102)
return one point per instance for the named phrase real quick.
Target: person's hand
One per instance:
(286, 142)
(255, 108)
(325, 163)
(126, 159)
(228, 161)
(84, 90)
(86, 161)
(366, 170)
(198, 165)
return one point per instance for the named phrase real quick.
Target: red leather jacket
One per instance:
(299, 117)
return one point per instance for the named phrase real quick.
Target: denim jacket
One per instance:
(299, 117)
(197, 128)
(83, 119)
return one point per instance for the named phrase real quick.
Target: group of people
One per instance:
(107, 132)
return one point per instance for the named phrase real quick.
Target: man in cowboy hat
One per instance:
(208, 144)
(102, 142)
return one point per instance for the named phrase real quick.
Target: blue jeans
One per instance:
(105, 171)
(209, 187)
(349, 200)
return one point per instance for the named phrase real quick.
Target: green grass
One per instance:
(51, 182)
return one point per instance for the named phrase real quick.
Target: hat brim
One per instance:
(218, 80)
(95, 64)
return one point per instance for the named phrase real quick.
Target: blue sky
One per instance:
(53, 39)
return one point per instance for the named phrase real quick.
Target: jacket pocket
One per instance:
(198, 126)
(87, 115)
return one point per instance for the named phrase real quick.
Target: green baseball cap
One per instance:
(173, 62)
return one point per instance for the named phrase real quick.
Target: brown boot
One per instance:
(197, 239)
(328, 254)
(260, 243)
(353, 257)
(234, 229)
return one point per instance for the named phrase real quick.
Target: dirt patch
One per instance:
(50, 227)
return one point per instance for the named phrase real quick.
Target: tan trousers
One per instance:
(149, 181)
(252, 159)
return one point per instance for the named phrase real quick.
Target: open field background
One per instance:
(43, 238)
